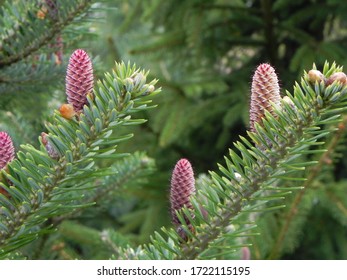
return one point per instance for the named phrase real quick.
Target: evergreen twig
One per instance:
(49, 33)
(312, 175)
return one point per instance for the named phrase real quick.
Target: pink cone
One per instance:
(6, 149)
(79, 79)
(182, 188)
(265, 88)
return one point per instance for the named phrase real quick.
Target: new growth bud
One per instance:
(182, 188)
(315, 76)
(340, 77)
(67, 111)
(129, 84)
(79, 79)
(265, 88)
(139, 80)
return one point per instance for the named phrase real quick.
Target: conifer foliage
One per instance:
(248, 183)
(85, 172)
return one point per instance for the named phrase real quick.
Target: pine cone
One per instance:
(6, 149)
(265, 88)
(79, 79)
(182, 187)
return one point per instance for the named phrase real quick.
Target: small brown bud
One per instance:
(315, 76)
(41, 14)
(341, 126)
(67, 111)
(339, 77)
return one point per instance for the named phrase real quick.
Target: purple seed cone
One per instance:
(79, 79)
(6, 149)
(182, 187)
(265, 88)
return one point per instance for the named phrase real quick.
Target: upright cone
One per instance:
(79, 79)
(182, 188)
(6, 149)
(265, 88)
(6, 155)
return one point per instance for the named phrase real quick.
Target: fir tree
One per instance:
(85, 173)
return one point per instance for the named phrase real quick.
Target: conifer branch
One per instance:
(314, 172)
(41, 186)
(249, 178)
(126, 170)
(21, 45)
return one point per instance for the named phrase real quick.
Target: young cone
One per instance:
(265, 88)
(6, 149)
(182, 188)
(79, 79)
(6, 154)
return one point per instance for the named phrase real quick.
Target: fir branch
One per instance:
(26, 75)
(21, 45)
(250, 172)
(40, 185)
(126, 170)
(314, 172)
(101, 244)
(16, 125)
